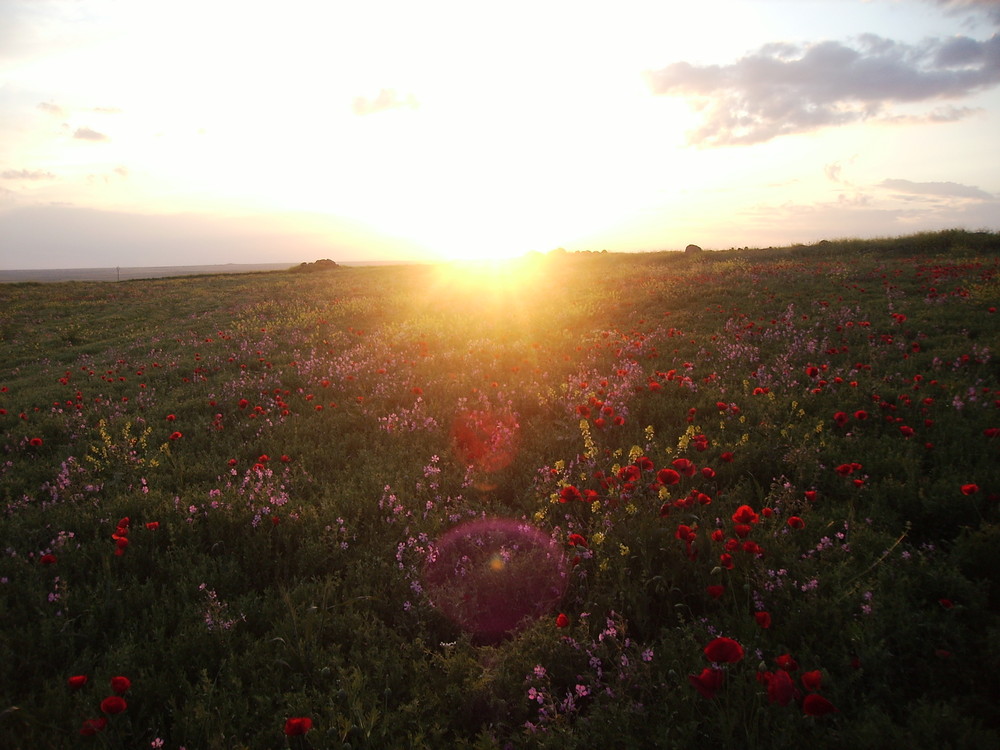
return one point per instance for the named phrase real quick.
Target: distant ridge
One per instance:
(152, 272)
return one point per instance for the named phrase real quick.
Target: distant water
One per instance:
(149, 272)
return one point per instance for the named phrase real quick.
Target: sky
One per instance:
(142, 133)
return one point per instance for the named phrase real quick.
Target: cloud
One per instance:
(989, 7)
(107, 110)
(782, 88)
(941, 189)
(387, 99)
(26, 174)
(86, 134)
(53, 109)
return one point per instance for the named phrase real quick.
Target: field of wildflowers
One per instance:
(732, 499)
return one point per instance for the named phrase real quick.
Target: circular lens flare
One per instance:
(492, 576)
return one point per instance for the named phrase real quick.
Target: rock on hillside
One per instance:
(320, 265)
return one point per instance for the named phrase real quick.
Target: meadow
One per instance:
(744, 498)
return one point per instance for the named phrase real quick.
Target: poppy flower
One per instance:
(796, 523)
(708, 682)
(121, 685)
(77, 681)
(576, 540)
(745, 514)
(47, 559)
(93, 726)
(811, 680)
(970, 489)
(569, 493)
(787, 663)
(763, 619)
(780, 688)
(727, 457)
(153, 525)
(35, 442)
(298, 725)
(816, 705)
(667, 477)
(113, 704)
(562, 621)
(175, 436)
(715, 591)
(723, 649)
(810, 495)
(684, 466)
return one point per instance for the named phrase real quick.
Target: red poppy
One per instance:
(763, 619)
(796, 523)
(810, 495)
(77, 681)
(667, 476)
(946, 603)
(970, 489)
(780, 688)
(569, 493)
(93, 726)
(298, 725)
(35, 442)
(745, 514)
(171, 417)
(787, 663)
(816, 705)
(175, 436)
(724, 649)
(685, 533)
(153, 525)
(861, 415)
(113, 704)
(715, 591)
(726, 561)
(684, 466)
(562, 621)
(708, 472)
(121, 685)
(47, 559)
(727, 457)
(576, 540)
(811, 680)
(708, 682)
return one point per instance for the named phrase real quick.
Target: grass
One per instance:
(229, 490)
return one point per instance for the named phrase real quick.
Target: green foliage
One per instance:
(227, 488)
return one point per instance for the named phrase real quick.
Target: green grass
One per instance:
(291, 439)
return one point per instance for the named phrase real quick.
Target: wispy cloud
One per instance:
(937, 189)
(53, 109)
(26, 174)
(387, 99)
(989, 7)
(86, 134)
(783, 88)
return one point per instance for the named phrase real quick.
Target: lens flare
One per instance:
(492, 576)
